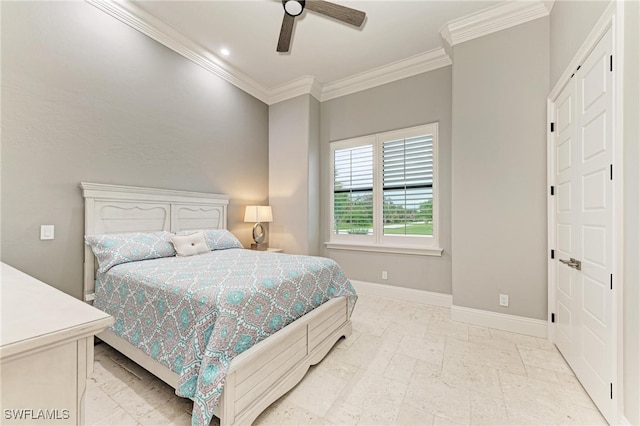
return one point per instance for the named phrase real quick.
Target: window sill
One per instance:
(419, 251)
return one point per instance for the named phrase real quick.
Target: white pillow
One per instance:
(188, 245)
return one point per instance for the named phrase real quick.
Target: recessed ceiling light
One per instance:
(225, 52)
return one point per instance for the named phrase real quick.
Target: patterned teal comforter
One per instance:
(195, 314)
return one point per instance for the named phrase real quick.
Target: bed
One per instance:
(255, 377)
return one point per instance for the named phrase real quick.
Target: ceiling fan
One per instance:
(293, 8)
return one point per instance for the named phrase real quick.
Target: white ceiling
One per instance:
(321, 47)
(327, 58)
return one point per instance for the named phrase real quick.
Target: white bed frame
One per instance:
(257, 377)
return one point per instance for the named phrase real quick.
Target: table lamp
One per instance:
(258, 214)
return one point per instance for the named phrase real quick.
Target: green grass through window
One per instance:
(390, 229)
(409, 229)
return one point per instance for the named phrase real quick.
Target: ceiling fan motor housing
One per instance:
(293, 7)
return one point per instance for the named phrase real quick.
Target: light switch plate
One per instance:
(47, 232)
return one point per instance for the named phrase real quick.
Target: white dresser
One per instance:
(46, 351)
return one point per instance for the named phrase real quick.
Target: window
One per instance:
(353, 190)
(384, 191)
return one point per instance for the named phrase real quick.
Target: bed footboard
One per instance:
(256, 380)
(268, 370)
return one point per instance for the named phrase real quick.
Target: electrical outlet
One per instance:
(504, 300)
(46, 232)
(384, 275)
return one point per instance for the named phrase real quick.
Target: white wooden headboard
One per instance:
(110, 209)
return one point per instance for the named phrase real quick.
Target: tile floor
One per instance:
(405, 364)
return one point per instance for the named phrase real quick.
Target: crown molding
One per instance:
(499, 17)
(418, 64)
(414, 65)
(128, 13)
(301, 86)
(493, 19)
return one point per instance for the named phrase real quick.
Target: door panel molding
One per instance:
(589, 102)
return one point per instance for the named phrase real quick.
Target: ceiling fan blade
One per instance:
(341, 13)
(285, 33)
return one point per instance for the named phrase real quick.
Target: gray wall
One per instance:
(422, 99)
(293, 175)
(571, 22)
(313, 198)
(500, 86)
(631, 289)
(87, 98)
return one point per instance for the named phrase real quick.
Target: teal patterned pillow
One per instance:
(221, 239)
(114, 249)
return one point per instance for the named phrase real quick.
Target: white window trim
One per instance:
(378, 242)
(379, 248)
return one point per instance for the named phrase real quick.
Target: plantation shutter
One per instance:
(407, 186)
(353, 190)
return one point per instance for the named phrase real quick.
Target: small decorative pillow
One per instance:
(188, 245)
(114, 249)
(221, 239)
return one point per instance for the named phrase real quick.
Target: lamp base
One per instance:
(259, 247)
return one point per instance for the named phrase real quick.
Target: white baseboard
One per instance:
(403, 293)
(506, 322)
(499, 321)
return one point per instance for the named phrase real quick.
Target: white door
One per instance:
(585, 332)
(566, 337)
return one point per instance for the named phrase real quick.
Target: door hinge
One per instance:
(611, 63)
(578, 69)
(552, 190)
(611, 281)
(552, 127)
(553, 254)
(553, 317)
(611, 389)
(610, 171)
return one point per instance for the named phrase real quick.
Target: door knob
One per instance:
(573, 263)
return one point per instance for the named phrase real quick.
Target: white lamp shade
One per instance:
(258, 214)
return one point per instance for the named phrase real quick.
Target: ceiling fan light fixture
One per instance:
(293, 7)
